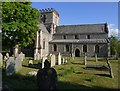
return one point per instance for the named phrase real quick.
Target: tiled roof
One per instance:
(85, 28)
(79, 41)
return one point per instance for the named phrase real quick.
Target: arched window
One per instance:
(64, 36)
(84, 48)
(76, 37)
(67, 48)
(96, 48)
(88, 36)
(55, 47)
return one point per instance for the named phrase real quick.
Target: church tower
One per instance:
(50, 18)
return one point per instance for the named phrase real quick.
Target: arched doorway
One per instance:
(77, 53)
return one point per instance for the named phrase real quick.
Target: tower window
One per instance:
(76, 37)
(44, 18)
(88, 36)
(84, 48)
(55, 47)
(44, 44)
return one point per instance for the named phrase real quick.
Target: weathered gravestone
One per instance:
(37, 56)
(66, 60)
(59, 59)
(10, 66)
(32, 73)
(18, 63)
(30, 62)
(43, 60)
(85, 59)
(1, 57)
(16, 48)
(110, 69)
(22, 56)
(96, 57)
(53, 60)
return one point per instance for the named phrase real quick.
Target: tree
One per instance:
(114, 46)
(19, 24)
(118, 48)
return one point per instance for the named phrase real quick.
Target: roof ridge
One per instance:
(81, 25)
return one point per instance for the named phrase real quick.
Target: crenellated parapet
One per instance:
(48, 10)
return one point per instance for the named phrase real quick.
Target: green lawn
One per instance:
(72, 75)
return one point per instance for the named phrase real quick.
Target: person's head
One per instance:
(46, 64)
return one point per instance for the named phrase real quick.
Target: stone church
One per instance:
(72, 40)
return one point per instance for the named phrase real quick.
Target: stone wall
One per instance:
(81, 36)
(103, 49)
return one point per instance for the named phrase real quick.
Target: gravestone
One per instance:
(10, 66)
(96, 57)
(35, 56)
(32, 73)
(16, 49)
(53, 60)
(22, 56)
(63, 60)
(43, 60)
(30, 62)
(59, 59)
(66, 61)
(1, 57)
(18, 63)
(85, 59)
(5, 58)
(50, 54)
(38, 56)
(110, 69)
(7, 55)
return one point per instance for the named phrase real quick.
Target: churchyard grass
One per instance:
(72, 75)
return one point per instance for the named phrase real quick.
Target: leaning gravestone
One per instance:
(43, 60)
(59, 59)
(18, 63)
(1, 57)
(52, 59)
(10, 66)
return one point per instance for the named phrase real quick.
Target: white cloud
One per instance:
(112, 31)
